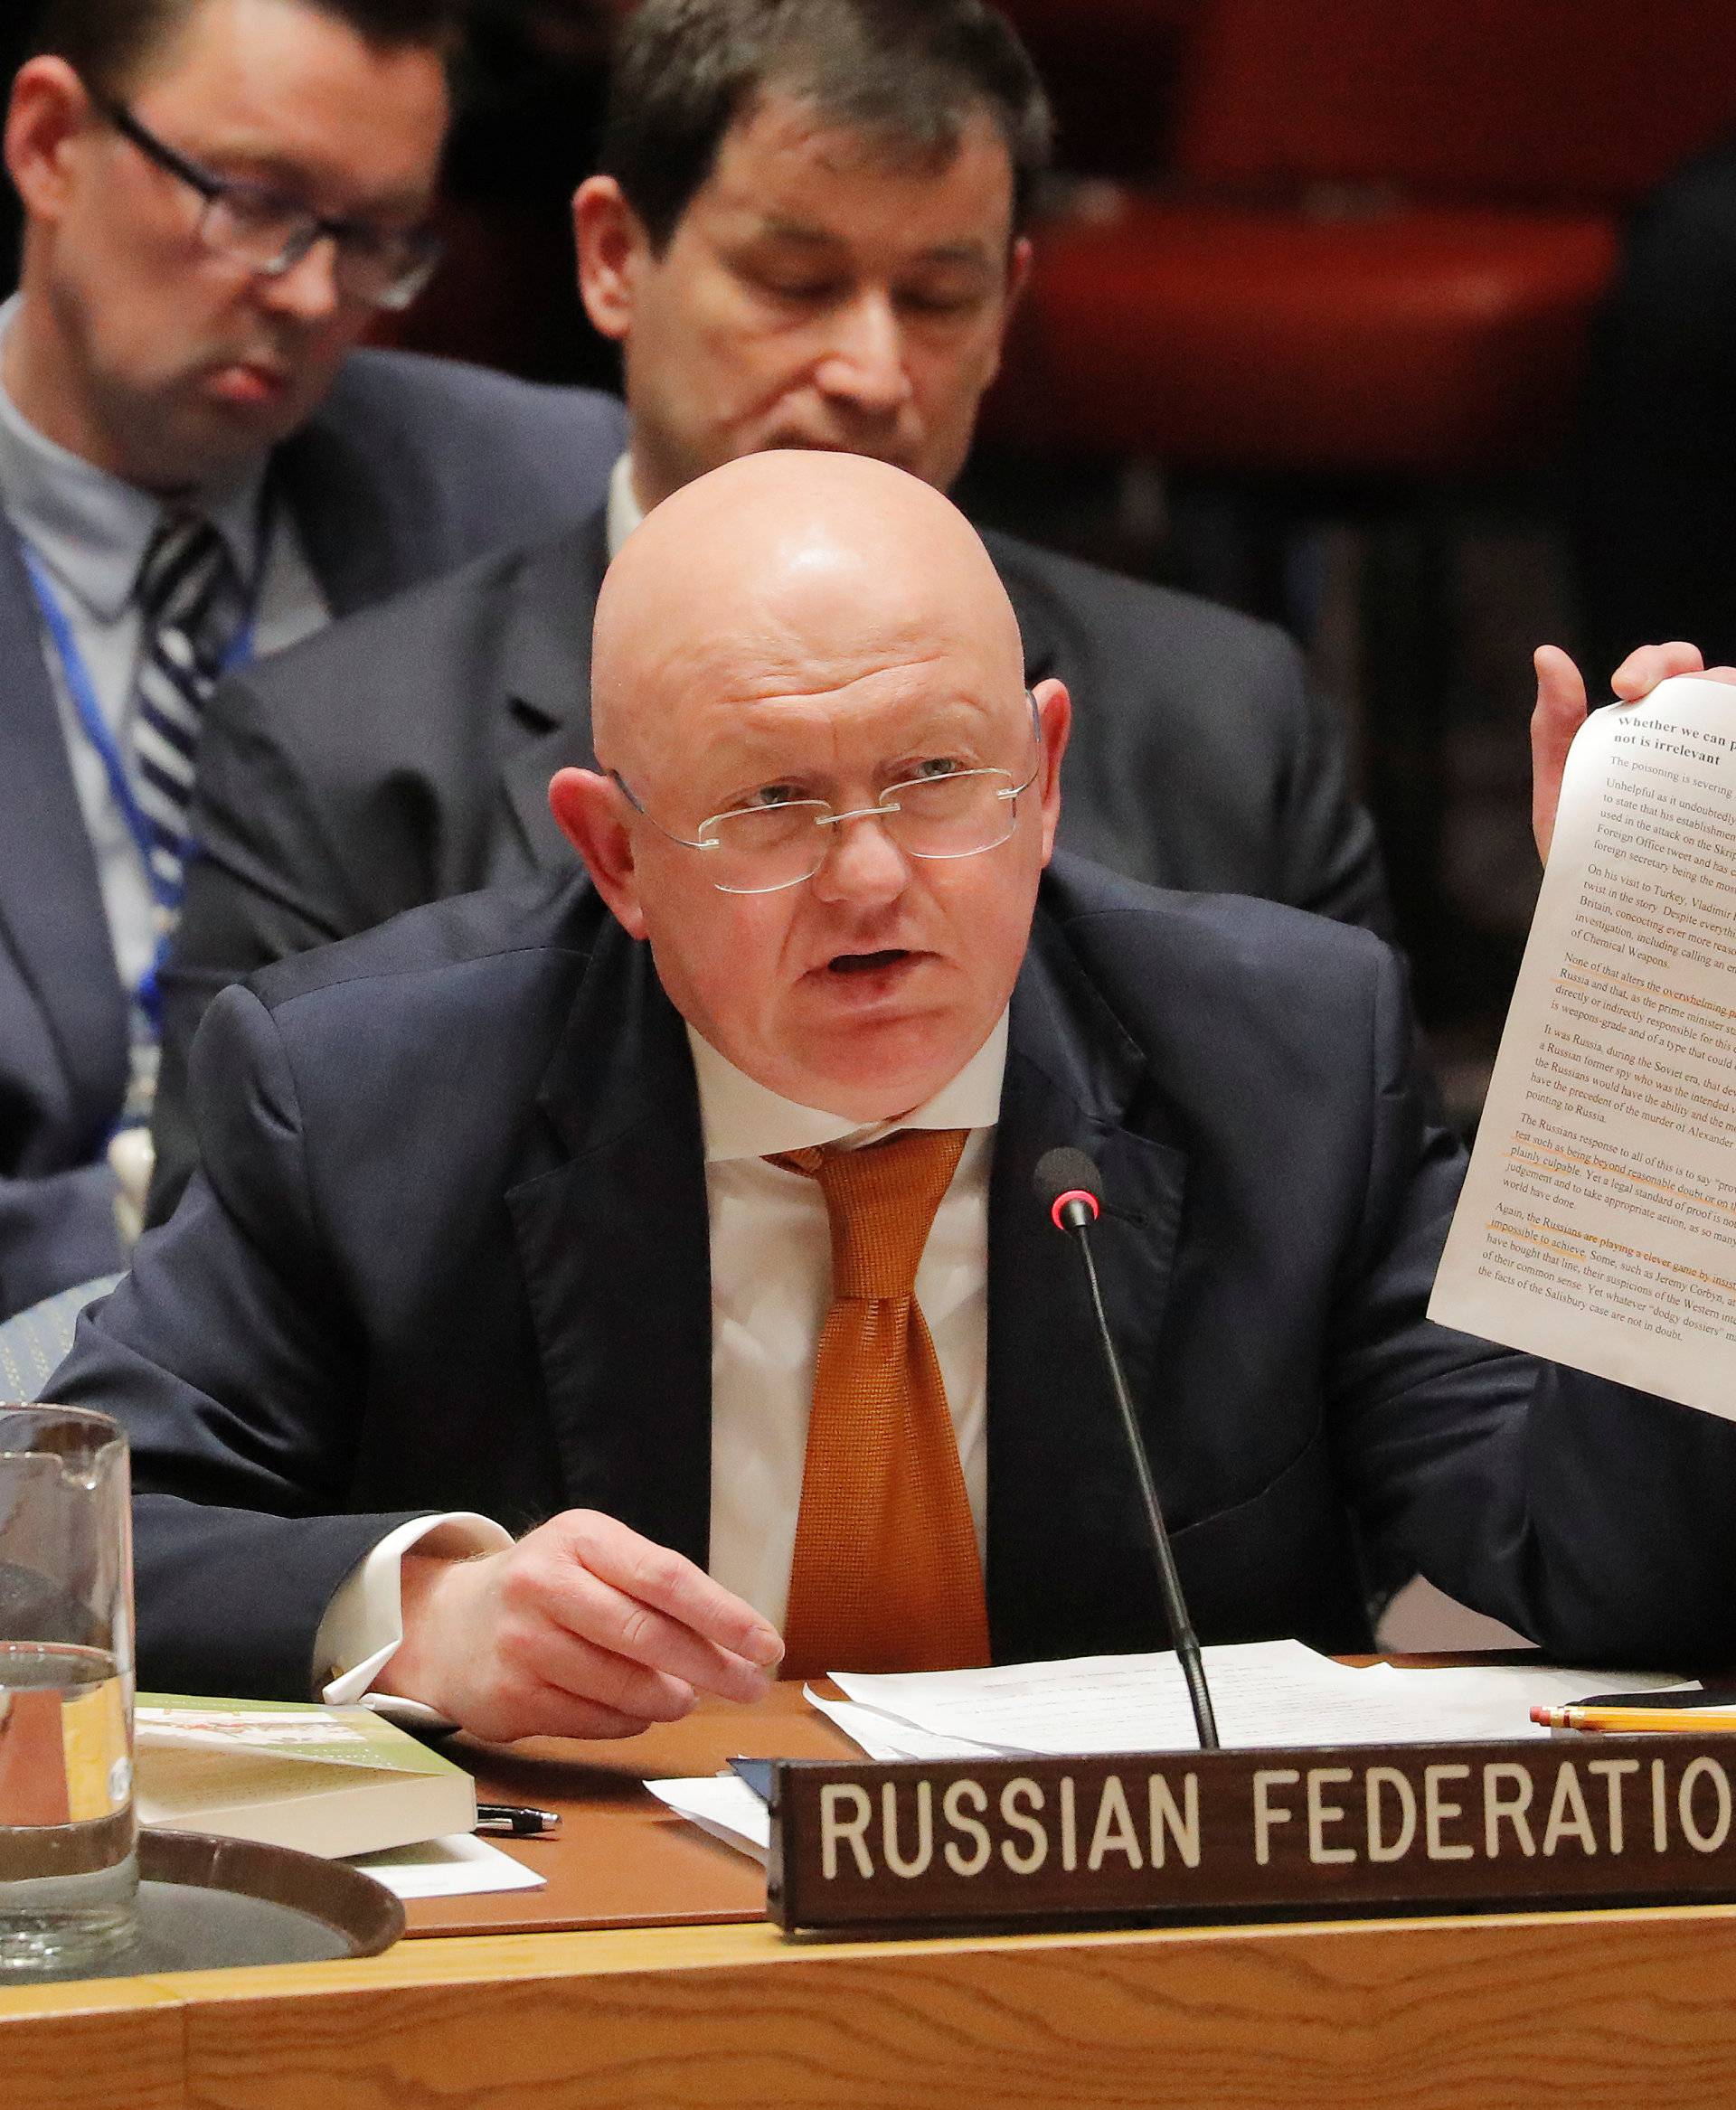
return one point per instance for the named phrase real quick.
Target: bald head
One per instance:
(830, 800)
(786, 574)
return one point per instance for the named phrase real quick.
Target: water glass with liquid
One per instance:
(69, 1874)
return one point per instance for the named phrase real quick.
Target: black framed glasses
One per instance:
(762, 849)
(271, 232)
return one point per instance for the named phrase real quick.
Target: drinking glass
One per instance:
(69, 1874)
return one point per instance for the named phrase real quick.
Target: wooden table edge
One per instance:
(495, 1959)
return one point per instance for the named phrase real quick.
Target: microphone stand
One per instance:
(1075, 1213)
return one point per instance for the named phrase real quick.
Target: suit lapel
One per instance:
(51, 905)
(546, 679)
(361, 542)
(1067, 1565)
(614, 1249)
(614, 1246)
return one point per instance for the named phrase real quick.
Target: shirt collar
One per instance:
(91, 529)
(625, 512)
(740, 1119)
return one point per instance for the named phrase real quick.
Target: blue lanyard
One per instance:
(83, 692)
(165, 893)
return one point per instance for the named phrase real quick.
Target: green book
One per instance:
(332, 1781)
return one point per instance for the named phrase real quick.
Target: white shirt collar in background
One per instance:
(623, 511)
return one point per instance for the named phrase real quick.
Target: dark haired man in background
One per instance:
(809, 231)
(197, 468)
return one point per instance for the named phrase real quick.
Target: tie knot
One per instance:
(186, 575)
(880, 1203)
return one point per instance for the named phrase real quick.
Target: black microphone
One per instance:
(1070, 1189)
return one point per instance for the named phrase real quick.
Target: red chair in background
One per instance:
(1370, 277)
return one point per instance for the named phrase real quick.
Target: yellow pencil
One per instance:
(1638, 1720)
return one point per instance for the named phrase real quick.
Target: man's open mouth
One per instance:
(864, 963)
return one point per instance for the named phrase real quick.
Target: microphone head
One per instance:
(1064, 1176)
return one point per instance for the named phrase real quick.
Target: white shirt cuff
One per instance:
(363, 1624)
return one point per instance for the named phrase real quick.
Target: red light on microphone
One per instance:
(1057, 1210)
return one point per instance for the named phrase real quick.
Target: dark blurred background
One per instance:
(15, 40)
(1413, 328)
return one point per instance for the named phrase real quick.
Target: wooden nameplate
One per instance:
(862, 1847)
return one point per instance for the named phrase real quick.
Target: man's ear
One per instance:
(592, 815)
(48, 107)
(1018, 271)
(1055, 714)
(611, 243)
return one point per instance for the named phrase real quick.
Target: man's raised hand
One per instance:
(582, 1629)
(1561, 711)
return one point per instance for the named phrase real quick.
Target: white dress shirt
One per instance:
(771, 1284)
(772, 1264)
(90, 532)
(623, 512)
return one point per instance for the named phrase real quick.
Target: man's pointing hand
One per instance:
(582, 1629)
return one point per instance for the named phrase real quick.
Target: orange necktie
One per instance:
(885, 1575)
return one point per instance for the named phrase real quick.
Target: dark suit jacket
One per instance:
(449, 1250)
(412, 466)
(406, 756)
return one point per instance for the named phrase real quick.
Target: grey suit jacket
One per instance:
(412, 466)
(406, 757)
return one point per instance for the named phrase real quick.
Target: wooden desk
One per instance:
(622, 1859)
(1618, 2009)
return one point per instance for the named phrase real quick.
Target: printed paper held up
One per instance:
(1598, 1223)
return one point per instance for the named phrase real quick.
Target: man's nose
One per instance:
(863, 863)
(864, 363)
(308, 289)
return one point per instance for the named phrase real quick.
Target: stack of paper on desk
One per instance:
(723, 1805)
(458, 1866)
(1265, 1692)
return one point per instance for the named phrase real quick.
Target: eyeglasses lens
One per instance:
(762, 850)
(271, 236)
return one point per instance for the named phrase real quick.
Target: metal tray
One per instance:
(206, 1903)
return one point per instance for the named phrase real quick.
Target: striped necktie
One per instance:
(885, 1575)
(190, 604)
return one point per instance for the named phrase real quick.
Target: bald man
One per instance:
(477, 1365)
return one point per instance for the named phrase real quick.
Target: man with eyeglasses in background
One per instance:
(196, 468)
